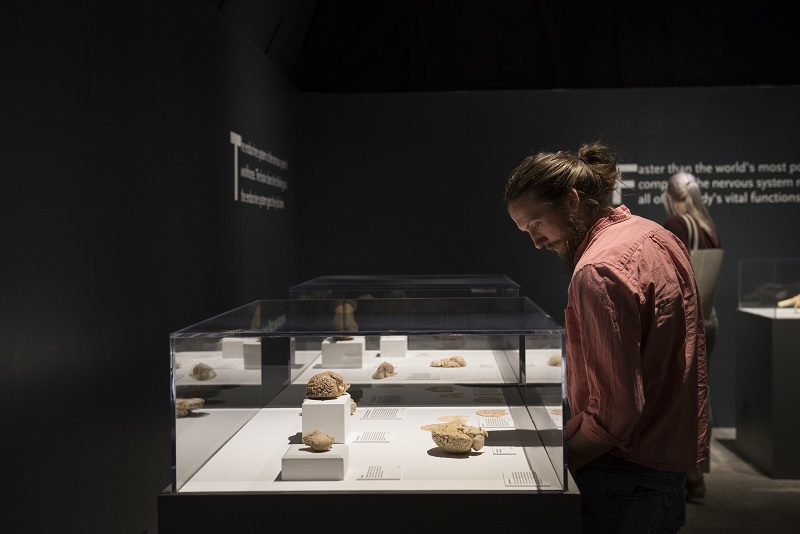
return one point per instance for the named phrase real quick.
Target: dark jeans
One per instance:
(620, 497)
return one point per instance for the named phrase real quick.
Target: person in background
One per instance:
(684, 196)
(635, 348)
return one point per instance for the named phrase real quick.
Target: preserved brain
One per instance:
(327, 385)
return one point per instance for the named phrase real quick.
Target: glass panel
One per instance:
(406, 286)
(767, 287)
(408, 363)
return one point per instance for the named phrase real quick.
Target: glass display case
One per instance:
(770, 287)
(767, 334)
(406, 286)
(414, 375)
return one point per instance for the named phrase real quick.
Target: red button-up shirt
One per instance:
(636, 358)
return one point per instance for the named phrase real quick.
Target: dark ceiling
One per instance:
(331, 46)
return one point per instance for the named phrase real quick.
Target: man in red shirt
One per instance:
(636, 362)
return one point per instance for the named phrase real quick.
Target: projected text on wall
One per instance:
(259, 177)
(739, 182)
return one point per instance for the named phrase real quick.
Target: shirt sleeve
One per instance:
(607, 305)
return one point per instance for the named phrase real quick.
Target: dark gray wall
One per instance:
(119, 226)
(412, 183)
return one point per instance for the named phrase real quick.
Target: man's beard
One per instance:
(575, 232)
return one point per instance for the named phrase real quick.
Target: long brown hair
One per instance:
(592, 171)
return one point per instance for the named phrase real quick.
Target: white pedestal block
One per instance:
(303, 463)
(394, 346)
(343, 354)
(232, 347)
(252, 353)
(331, 416)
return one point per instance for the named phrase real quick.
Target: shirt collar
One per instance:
(616, 215)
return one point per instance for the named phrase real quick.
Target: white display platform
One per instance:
(414, 367)
(345, 353)
(331, 416)
(252, 354)
(774, 313)
(482, 367)
(232, 347)
(393, 346)
(537, 369)
(230, 370)
(251, 460)
(303, 463)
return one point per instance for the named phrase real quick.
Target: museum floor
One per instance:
(740, 497)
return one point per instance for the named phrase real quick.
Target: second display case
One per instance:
(406, 286)
(770, 287)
